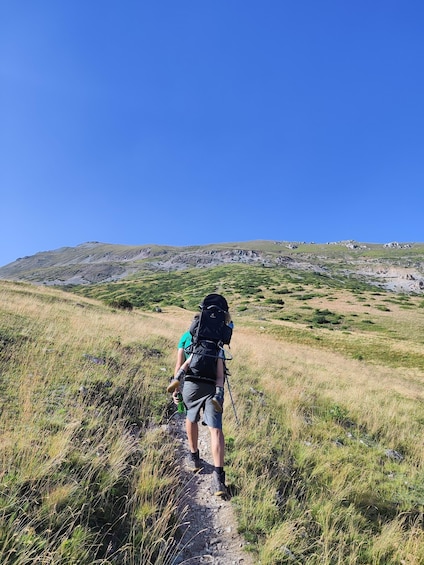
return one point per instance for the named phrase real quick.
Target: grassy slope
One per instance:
(364, 323)
(86, 474)
(100, 261)
(326, 466)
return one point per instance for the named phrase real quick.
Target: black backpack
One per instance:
(209, 332)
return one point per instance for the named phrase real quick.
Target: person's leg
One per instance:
(217, 447)
(193, 400)
(218, 475)
(193, 461)
(213, 419)
(192, 429)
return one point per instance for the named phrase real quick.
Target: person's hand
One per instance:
(175, 396)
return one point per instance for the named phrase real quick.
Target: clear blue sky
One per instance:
(193, 122)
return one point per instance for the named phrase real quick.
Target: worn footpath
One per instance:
(208, 530)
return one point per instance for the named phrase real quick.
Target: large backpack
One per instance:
(209, 332)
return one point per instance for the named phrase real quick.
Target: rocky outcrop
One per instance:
(95, 262)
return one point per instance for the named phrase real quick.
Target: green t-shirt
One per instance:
(185, 341)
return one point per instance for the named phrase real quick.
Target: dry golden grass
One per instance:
(308, 461)
(378, 397)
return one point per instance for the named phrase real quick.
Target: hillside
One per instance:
(324, 462)
(393, 266)
(325, 465)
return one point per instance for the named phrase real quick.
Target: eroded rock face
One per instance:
(95, 262)
(395, 278)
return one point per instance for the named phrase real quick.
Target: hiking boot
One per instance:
(217, 402)
(218, 484)
(175, 383)
(218, 399)
(193, 462)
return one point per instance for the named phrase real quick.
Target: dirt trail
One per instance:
(209, 528)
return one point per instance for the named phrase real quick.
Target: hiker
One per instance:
(200, 391)
(183, 365)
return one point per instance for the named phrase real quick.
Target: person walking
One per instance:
(180, 374)
(201, 393)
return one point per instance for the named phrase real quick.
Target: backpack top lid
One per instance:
(214, 300)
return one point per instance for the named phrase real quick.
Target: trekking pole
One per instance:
(231, 397)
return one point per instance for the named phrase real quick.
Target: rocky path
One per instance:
(209, 528)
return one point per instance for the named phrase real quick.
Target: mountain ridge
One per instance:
(393, 266)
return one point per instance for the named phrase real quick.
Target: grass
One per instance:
(326, 466)
(80, 437)
(329, 490)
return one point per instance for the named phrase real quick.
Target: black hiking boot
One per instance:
(193, 462)
(218, 484)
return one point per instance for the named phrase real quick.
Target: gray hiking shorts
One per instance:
(197, 395)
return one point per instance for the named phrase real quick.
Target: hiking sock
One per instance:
(195, 457)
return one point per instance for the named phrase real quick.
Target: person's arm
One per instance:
(179, 363)
(180, 360)
(178, 368)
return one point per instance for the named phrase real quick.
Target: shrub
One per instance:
(120, 304)
(324, 317)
